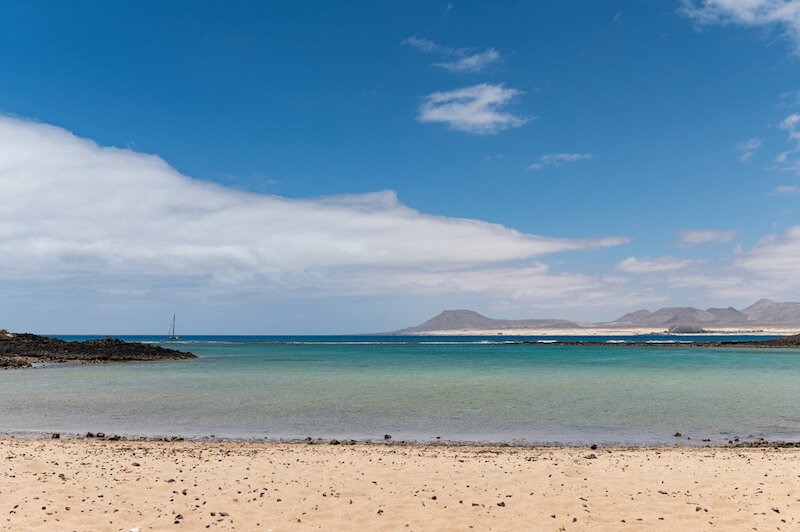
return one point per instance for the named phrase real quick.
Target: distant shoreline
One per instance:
(605, 331)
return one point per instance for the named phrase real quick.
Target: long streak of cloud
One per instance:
(70, 208)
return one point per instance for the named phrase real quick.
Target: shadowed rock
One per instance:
(23, 350)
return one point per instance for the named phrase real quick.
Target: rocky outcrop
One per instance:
(783, 341)
(686, 329)
(23, 350)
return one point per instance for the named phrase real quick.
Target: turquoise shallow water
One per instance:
(456, 391)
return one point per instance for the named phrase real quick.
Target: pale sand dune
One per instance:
(376, 487)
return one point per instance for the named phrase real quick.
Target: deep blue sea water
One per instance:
(455, 388)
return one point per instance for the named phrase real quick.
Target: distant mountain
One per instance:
(772, 312)
(728, 315)
(630, 318)
(456, 320)
(682, 316)
(763, 313)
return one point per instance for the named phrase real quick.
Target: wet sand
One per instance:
(124, 485)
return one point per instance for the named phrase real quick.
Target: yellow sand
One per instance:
(376, 487)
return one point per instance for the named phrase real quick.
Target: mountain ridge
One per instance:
(762, 313)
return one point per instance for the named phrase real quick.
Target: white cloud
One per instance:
(71, 210)
(472, 63)
(768, 269)
(790, 124)
(83, 221)
(747, 148)
(703, 236)
(429, 47)
(785, 189)
(776, 257)
(648, 265)
(557, 159)
(783, 15)
(786, 160)
(455, 59)
(477, 109)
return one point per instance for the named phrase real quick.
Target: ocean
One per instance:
(420, 388)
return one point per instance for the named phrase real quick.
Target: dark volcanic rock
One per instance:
(22, 350)
(784, 341)
(7, 362)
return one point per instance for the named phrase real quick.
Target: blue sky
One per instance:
(379, 163)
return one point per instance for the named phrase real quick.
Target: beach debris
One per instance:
(662, 492)
(677, 434)
(136, 464)
(501, 504)
(387, 437)
(56, 435)
(224, 514)
(593, 447)
(335, 442)
(90, 435)
(101, 434)
(590, 456)
(776, 510)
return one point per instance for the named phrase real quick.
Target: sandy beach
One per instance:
(124, 485)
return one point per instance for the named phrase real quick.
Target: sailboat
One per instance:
(172, 335)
